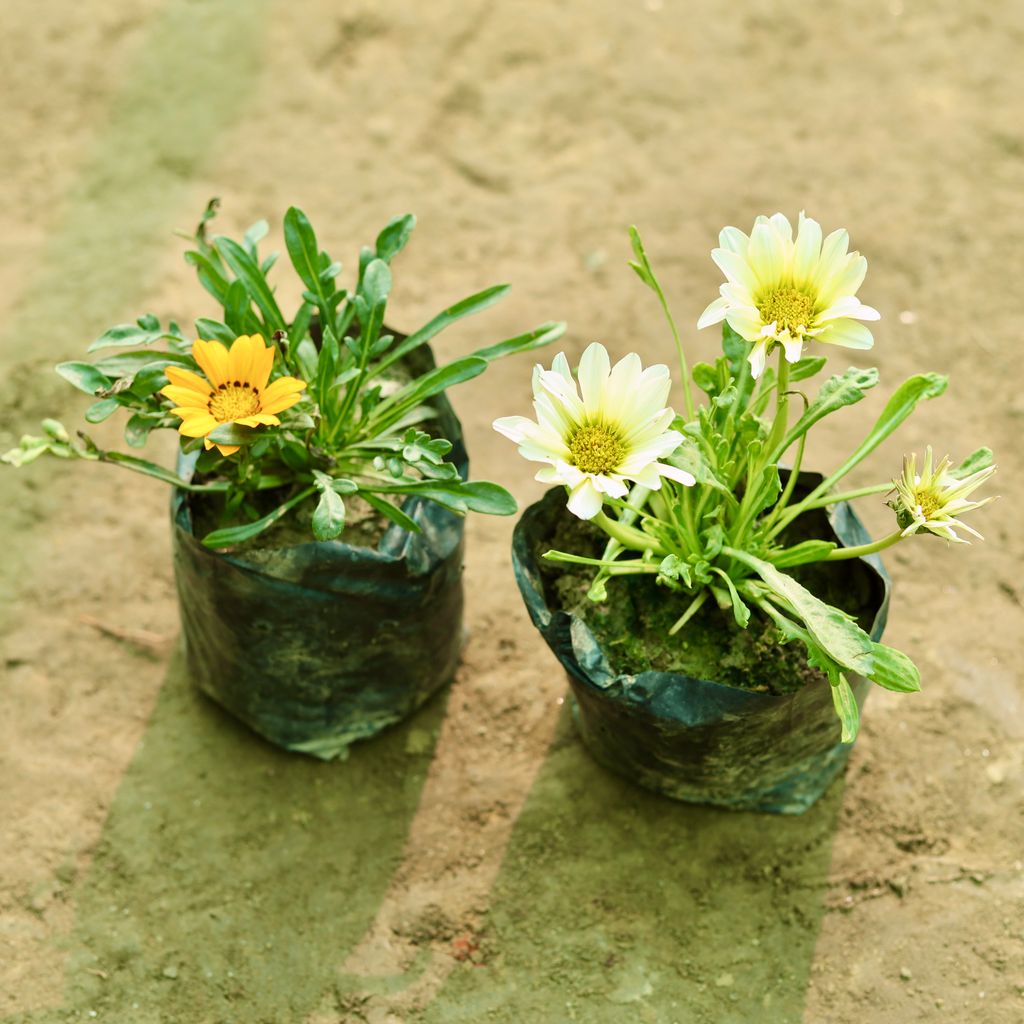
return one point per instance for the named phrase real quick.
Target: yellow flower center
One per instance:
(596, 448)
(930, 501)
(787, 308)
(233, 401)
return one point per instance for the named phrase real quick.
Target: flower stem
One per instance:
(821, 502)
(864, 549)
(627, 536)
(781, 424)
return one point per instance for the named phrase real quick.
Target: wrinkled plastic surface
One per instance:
(317, 645)
(696, 739)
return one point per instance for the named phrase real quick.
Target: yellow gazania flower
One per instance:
(934, 499)
(235, 389)
(785, 291)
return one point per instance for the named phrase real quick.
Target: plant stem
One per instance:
(781, 423)
(864, 549)
(695, 606)
(627, 536)
(821, 502)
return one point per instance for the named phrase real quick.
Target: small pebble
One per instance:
(905, 973)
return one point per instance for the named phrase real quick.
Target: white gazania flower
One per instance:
(934, 499)
(616, 432)
(783, 291)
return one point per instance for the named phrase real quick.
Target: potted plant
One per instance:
(320, 486)
(719, 614)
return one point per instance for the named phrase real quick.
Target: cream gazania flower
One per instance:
(934, 499)
(593, 444)
(235, 389)
(781, 291)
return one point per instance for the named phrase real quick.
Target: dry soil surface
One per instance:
(159, 863)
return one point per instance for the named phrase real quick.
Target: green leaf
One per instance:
(214, 330)
(419, 390)
(126, 335)
(895, 671)
(329, 515)
(233, 434)
(246, 269)
(846, 707)
(802, 553)
(739, 610)
(254, 235)
(392, 239)
(300, 326)
(146, 467)
(804, 368)
(838, 391)
(99, 411)
(138, 427)
(300, 240)
(127, 364)
(766, 491)
(459, 496)
(376, 284)
(238, 534)
(209, 275)
(237, 313)
(467, 307)
(903, 402)
(974, 463)
(86, 377)
(837, 634)
(537, 338)
(392, 512)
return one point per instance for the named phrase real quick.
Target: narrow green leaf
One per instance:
(126, 335)
(209, 275)
(802, 553)
(128, 364)
(247, 270)
(903, 402)
(238, 534)
(739, 610)
(467, 307)
(392, 512)
(419, 390)
(138, 427)
(376, 283)
(300, 240)
(846, 707)
(537, 338)
(838, 391)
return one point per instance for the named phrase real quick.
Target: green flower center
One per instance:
(787, 308)
(233, 401)
(596, 448)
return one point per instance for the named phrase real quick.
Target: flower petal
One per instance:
(212, 358)
(186, 396)
(585, 500)
(197, 426)
(181, 377)
(847, 333)
(593, 373)
(714, 314)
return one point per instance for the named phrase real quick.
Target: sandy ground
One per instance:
(159, 864)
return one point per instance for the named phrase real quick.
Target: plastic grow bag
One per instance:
(317, 645)
(696, 739)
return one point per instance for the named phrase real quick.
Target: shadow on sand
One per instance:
(617, 905)
(232, 878)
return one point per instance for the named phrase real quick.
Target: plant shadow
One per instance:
(232, 878)
(614, 904)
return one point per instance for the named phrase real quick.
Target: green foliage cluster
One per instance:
(365, 425)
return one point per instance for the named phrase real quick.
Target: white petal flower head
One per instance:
(611, 429)
(781, 290)
(934, 499)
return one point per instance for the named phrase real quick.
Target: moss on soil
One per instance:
(633, 625)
